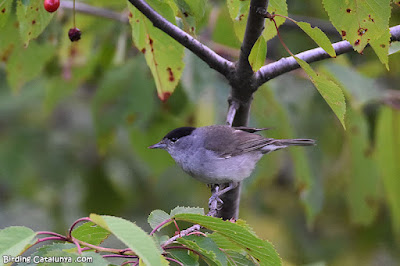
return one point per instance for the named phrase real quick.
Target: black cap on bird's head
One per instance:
(173, 136)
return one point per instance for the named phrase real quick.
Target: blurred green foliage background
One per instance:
(76, 120)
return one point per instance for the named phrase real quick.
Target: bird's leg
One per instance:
(215, 203)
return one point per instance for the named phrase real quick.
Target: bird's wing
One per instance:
(227, 142)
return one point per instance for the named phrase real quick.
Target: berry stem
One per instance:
(73, 13)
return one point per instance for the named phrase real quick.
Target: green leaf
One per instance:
(27, 63)
(163, 54)
(381, 47)
(360, 170)
(258, 54)
(32, 18)
(362, 22)
(262, 250)
(5, 11)
(156, 217)
(236, 258)
(192, 12)
(90, 233)
(388, 157)
(239, 11)
(206, 247)
(14, 239)
(185, 257)
(224, 32)
(275, 7)
(329, 90)
(132, 236)
(318, 36)
(193, 210)
(224, 242)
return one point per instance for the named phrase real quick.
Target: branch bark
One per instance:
(288, 64)
(220, 64)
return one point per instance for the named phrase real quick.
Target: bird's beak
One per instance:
(160, 145)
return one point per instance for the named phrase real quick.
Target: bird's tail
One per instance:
(296, 142)
(278, 144)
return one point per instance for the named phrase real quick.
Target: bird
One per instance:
(220, 154)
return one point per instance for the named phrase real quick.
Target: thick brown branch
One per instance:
(220, 64)
(288, 64)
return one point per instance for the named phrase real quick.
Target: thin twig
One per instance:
(233, 107)
(191, 229)
(288, 64)
(220, 64)
(160, 225)
(94, 11)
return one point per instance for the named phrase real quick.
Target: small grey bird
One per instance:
(221, 154)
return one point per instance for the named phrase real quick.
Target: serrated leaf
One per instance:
(163, 54)
(361, 22)
(262, 250)
(361, 170)
(32, 18)
(90, 233)
(318, 36)
(275, 7)
(133, 236)
(208, 253)
(14, 239)
(194, 210)
(258, 54)
(156, 217)
(329, 90)
(27, 63)
(5, 11)
(388, 157)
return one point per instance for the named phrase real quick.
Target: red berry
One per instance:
(51, 5)
(74, 34)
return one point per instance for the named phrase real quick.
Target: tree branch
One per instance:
(243, 87)
(95, 11)
(220, 64)
(288, 64)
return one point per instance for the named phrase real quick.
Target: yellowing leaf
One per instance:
(319, 37)
(362, 22)
(163, 54)
(329, 90)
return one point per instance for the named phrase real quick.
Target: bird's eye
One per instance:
(174, 139)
